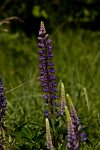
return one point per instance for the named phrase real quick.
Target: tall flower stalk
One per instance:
(2, 112)
(47, 71)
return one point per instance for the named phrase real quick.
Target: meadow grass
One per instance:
(77, 64)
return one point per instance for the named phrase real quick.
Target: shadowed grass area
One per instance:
(77, 63)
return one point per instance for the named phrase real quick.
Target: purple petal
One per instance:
(45, 96)
(52, 70)
(43, 79)
(46, 113)
(53, 77)
(54, 84)
(45, 89)
(41, 52)
(41, 45)
(83, 137)
(42, 72)
(48, 41)
(41, 58)
(50, 64)
(44, 84)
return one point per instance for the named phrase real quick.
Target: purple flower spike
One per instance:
(47, 71)
(72, 142)
(81, 137)
(2, 112)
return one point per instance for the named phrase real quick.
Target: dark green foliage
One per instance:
(28, 136)
(69, 13)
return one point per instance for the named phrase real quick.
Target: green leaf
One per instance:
(36, 11)
(44, 14)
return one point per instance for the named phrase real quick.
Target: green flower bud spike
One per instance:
(63, 101)
(68, 118)
(48, 135)
(73, 113)
(69, 100)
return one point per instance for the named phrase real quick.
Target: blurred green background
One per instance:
(74, 28)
